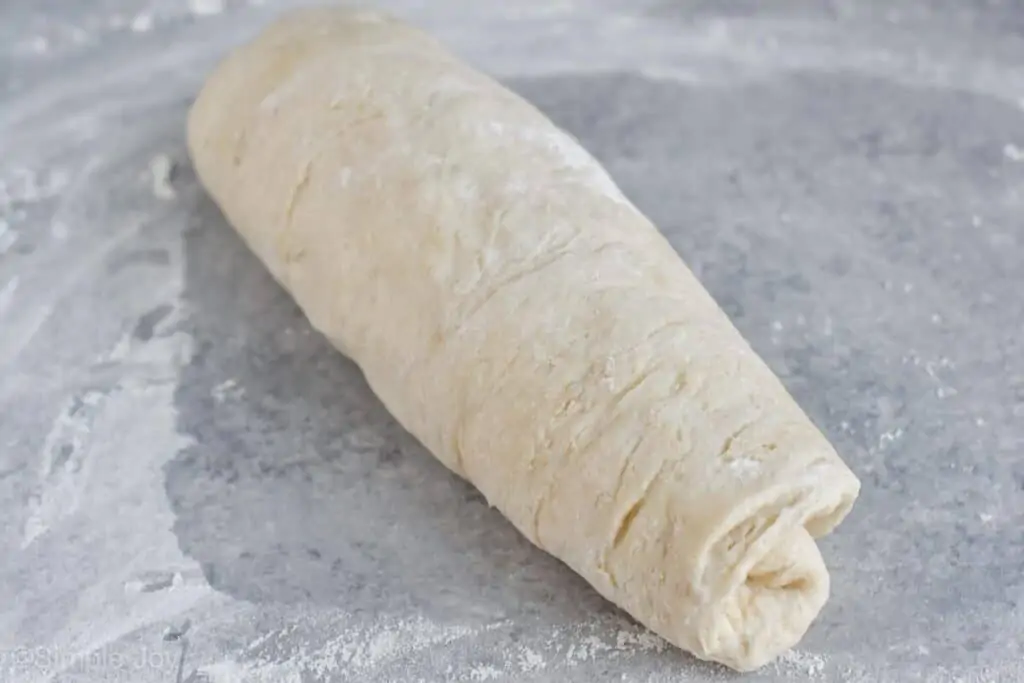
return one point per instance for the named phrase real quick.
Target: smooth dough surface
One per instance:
(520, 317)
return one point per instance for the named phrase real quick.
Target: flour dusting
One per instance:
(354, 650)
(745, 467)
(639, 641)
(7, 237)
(161, 169)
(485, 672)
(232, 672)
(796, 662)
(530, 660)
(227, 390)
(1013, 152)
(342, 646)
(142, 23)
(7, 294)
(205, 8)
(21, 186)
(64, 465)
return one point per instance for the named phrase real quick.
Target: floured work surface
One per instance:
(192, 481)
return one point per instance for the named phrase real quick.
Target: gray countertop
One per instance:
(195, 487)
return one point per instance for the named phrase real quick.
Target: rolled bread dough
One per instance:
(520, 317)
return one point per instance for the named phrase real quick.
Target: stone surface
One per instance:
(195, 487)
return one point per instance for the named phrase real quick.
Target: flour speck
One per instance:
(161, 167)
(745, 467)
(801, 663)
(1013, 152)
(142, 23)
(7, 294)
(206, 8)
(484, 672)
(7, 237)
(530, 661)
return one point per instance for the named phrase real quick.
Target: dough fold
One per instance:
(520, 317)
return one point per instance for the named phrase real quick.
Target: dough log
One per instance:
(520, 317)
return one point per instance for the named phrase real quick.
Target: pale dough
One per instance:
(520, 317)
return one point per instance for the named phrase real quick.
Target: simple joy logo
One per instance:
(104, 664)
